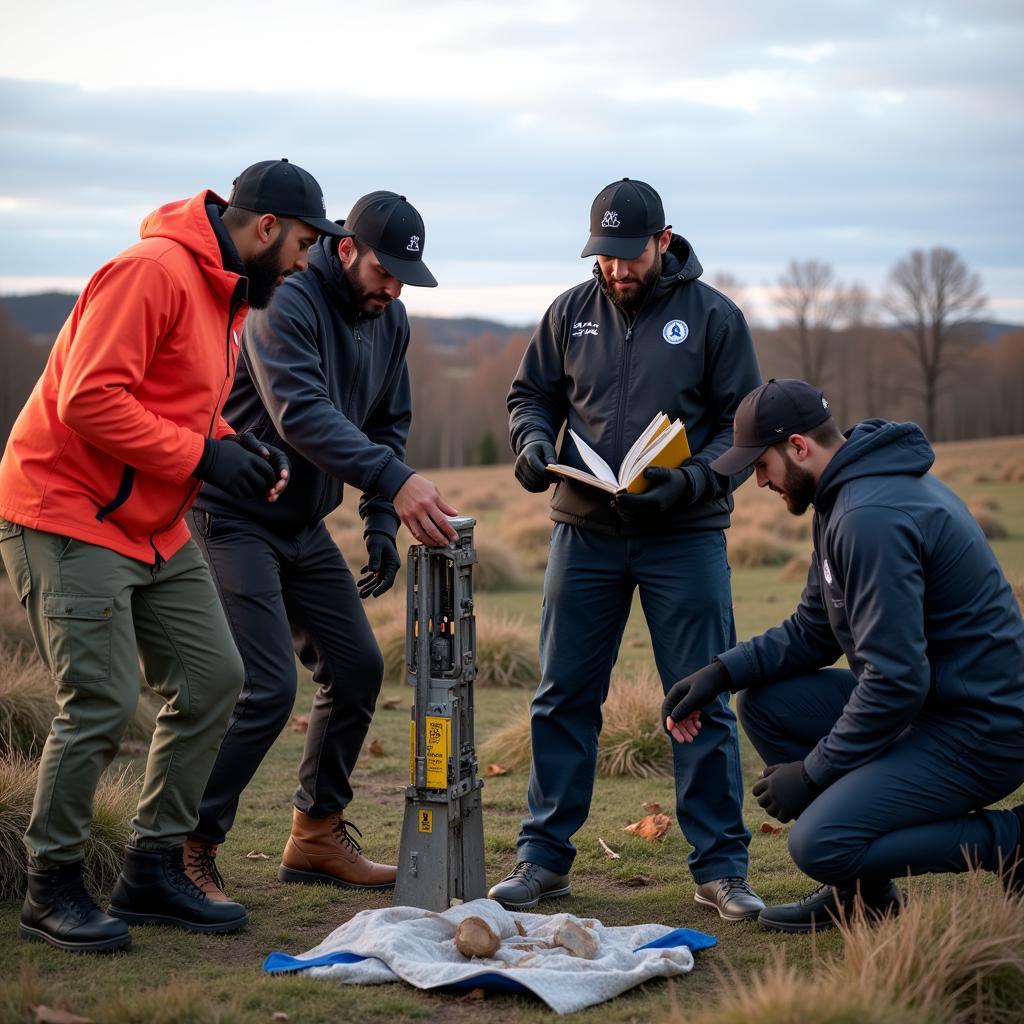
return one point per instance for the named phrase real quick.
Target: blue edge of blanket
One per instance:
(280, 963)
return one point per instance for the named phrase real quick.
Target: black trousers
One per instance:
(286, 596)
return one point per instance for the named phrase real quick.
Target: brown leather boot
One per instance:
(324, 850)
(200, 861)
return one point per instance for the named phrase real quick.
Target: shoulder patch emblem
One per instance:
(675, 332)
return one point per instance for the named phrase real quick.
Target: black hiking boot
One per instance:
(821, 908)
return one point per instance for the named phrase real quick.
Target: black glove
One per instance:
(695, 692)
(277, 458)
(530, 465)
(382, 565)
(229, 465)
(669, 487)
(785, 790)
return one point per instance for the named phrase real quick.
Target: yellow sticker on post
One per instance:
(425, 821)
(439, 750)
(412, 752)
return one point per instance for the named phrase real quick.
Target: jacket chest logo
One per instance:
(582, 327)
(827, 572)
(675, 332)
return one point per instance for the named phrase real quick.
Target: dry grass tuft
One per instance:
(985, 501)
(497, 567)
(991, 525)
(751, 547)
(26, 701)
(530, 537)
(796, 569)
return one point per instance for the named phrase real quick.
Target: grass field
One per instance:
(170, 976)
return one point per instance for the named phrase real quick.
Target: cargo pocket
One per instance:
(78, 635)
(15, 558)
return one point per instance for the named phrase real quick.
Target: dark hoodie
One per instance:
(687, 353)
(905, 585)
(330, 388)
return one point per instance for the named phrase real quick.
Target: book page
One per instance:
(654, 429)
(594, 462)
(583, 477)
(670, 449)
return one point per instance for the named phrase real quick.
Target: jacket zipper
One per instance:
(620, 406)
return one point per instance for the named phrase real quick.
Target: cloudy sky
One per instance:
(847, 131)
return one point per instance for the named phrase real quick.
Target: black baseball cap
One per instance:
(769, 415)
(622, 218)
(392, 227)
(285, 190)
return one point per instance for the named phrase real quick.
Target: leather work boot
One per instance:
(527, 885)
(154, 889)
(59, 910)
(731, 897)
(323, 850)
(200, 860)
(821, 908)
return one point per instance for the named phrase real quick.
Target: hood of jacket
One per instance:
(324, 262)
(874, 448)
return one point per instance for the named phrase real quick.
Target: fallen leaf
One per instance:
(375, 748)
(651, 807)
(256, 855)
(608, 851)
(50, 1015)
(519, 927)
(496, 769)
(300, 723)
(391, 703)
(638, 881)
(652, 828)
(475, 995)
(280, 1015)
(769, 829)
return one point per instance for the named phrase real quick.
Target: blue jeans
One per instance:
(917, 807)
(588, 589)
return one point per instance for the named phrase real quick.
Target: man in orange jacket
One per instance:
(100, 467)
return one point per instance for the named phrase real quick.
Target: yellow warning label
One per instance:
(426, 821)
(412, 752)
(439, 749)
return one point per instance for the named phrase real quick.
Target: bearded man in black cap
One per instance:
(644, 335)
(322, 375)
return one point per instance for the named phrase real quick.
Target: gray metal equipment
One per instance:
(442, 852)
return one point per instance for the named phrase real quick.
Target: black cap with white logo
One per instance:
(769, 415)
(623, 217)
(392, 227)
(285, 190)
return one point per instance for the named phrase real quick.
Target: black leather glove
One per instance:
(530, 465)
(382, 565)
(785, 790)
(669, 487)
(277, 458)
(229, 465)
(695, 692)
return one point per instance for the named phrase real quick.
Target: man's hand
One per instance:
(530, 471)
(686, 699)
(229, 465)
(669, 487)
(277, 459)
(785, 790)
(422, 509)
(382, 565)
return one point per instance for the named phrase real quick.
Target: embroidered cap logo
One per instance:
(610, 219)
(414, 243)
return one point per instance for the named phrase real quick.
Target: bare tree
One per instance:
(812, 301)
(728, 282)
(930, 295)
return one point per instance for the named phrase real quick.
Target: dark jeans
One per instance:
(588, 590)
(287, 596)
(917, 807)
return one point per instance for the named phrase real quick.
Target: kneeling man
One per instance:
(886, 766)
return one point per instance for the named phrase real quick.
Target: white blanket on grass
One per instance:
(417, 946)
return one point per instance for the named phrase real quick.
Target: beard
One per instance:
(370, 304)
(798, 486)
(263, 272)
(632, 297)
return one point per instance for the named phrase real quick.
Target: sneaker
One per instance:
(821, 908)
(731, 897)
(527, 885)
(200, 860)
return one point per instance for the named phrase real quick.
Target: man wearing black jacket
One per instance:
(888, 765)
(643, 335)
(322, 375)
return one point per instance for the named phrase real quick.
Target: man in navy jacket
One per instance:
(888, 765)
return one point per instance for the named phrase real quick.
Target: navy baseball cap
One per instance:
(622, 218)
(285, 190)
(393, 228)
(769, 415)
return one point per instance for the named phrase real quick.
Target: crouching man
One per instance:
(887, 766)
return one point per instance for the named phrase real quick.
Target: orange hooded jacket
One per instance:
(105, 447)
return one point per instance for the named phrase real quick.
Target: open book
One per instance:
(662, 443)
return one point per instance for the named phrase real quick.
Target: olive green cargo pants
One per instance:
(94, 613)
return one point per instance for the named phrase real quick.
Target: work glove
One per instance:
(694, 692)
(277, 458)
(785, 790)
(669, 487)
(230, 464)
(382, 565)
(530, 465)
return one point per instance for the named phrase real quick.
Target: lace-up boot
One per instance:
(731, 897)
(154, 889)
(527, 885)
(326, 850)
(59, 910)
(200, 860)
(821, 908)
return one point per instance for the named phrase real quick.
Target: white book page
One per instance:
(594, 462)
(634, 456)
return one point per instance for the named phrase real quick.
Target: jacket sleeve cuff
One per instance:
(380, 521)
(531, 436)
(740, 668)
(818, 770)
(192, 459)
(391, 478)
